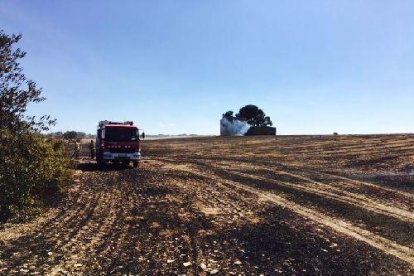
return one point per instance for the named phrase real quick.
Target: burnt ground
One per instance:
(240, 205)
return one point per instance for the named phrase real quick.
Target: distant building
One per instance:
(261, 131)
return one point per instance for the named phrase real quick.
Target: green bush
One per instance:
(33, 171)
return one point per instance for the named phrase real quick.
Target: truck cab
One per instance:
(117, 143)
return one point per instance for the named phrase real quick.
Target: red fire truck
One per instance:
(117, 143)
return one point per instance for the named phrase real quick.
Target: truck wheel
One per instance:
(100, 163)
(135, 163)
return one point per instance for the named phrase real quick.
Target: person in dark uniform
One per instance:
(92, 149)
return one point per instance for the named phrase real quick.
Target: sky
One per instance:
(175, 66)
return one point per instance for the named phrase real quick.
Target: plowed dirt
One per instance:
(235, 205)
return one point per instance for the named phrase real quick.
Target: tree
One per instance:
(70, 135)
(29, 163)
(254, 116)
(56, 134)
(229, 116)
(16, 91)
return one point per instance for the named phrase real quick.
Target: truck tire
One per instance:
(100, 162)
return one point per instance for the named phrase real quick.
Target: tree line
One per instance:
(70, 135)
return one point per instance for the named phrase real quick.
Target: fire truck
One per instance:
(117, 143)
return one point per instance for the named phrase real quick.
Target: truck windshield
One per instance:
(119, 134)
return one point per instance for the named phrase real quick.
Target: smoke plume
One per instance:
(233, 127)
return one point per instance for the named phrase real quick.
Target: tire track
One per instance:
(300, 169)
(385, 245)
(339, 192)
(340, 195)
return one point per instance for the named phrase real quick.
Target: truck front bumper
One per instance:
(114, 156)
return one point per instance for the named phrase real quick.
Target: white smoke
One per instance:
(233, 127)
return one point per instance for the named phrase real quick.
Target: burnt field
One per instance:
(250, 205)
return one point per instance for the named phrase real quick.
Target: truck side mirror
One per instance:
(143, 135)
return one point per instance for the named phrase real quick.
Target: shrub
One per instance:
(33, 171)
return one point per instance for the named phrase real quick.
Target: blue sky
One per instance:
(175, 66)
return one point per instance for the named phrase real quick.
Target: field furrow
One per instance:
(231, 205)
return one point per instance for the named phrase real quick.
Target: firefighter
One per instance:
(76, 150)
(92, 149)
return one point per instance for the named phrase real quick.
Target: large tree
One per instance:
(16, 91)
(29, 163)
(254, 116)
